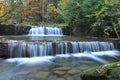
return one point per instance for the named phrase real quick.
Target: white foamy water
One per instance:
(30, 61)
(107, 53)
(96, 56)
(42, 31)
(39, 49)
(101, 53)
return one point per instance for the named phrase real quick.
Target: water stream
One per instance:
(35, 49)
(50, 41)
(46, 48)
(42, 31)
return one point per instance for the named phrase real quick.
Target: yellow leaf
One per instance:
(100, 70)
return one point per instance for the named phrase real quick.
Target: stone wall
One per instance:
(67, 30)
(18, 29)
(3, 50)
(76, 32)
(14, 29)
(117, 44)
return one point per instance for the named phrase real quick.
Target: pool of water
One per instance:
(50, 38)
(43, 68)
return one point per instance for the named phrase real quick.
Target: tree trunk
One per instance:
(116, 33)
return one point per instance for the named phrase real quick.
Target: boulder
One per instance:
(105, 72)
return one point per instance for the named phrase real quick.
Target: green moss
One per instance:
(110, 66)
(107, 71)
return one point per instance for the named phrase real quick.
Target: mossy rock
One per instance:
(114, 74)
(92, 74)
(104, 72)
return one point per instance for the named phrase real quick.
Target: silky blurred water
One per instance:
(13, 66)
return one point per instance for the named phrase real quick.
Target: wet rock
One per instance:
(23, 73)
(94, 78)
(60, 79)
(52, 77)
(56, 65)
(70, 47)
(62, 69)
(74, 71)
(114, 74)
(76, 77)
(67, 77)
(21, 77)
(67, 30)
(117, 43)
(4, 50)
(105, 72)
(72, 77)
(14, 29)
(42, 75)
(59, 73)
(92, 74)
(27, 75)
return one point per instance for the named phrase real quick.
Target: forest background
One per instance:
(101, 16)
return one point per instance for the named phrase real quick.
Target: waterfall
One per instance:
(95, 46)
(45, 31)
(34, 49)
(17, 49)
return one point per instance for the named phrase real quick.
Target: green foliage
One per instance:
(94, 15)
(77, 13)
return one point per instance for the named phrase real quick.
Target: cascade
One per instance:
(35, 30)
(35, 49)
(49, 42)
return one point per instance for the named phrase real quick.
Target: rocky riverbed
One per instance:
(53, 69)
(56, 69)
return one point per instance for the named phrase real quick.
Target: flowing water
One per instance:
(35, 49)
(47, 47)
(50, 41)
(35, 30)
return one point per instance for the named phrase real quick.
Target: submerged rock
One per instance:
(62, 69)
(59, 73)
(74, 71)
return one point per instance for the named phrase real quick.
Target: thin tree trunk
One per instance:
(116, 33)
